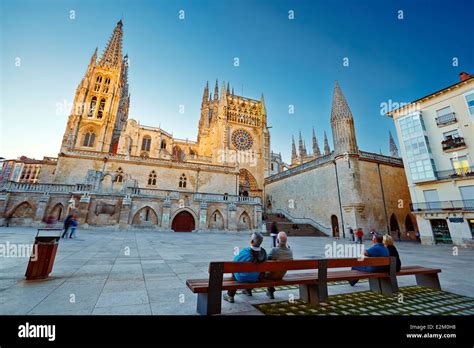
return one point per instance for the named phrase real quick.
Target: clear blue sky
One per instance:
(290, 61)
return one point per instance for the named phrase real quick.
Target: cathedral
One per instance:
(113, 171)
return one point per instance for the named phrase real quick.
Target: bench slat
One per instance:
(269, 266)
(354, 262)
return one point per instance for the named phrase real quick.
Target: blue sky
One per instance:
(293, 62)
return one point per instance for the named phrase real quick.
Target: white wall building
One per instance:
(436, 136)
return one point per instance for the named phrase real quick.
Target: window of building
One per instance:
(467, 194)
(92, 106)
(105, 89)
(146, 143)
(152, 178)
(182, 181)
(443, 111)
(451, 134)
(89, 139)
(119, 176)
(163, 144)
(470, 102)
(460, 164)
(98, 81)
(417, 150)
(100, 112)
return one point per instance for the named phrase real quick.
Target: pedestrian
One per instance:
(73, 226)
(274, 233)
(351, 232)
(67, 224)
(399, 236)
(359, 235)
(417, 235)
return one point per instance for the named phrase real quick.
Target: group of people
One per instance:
(383, 246)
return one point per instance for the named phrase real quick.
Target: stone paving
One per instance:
(144, 272)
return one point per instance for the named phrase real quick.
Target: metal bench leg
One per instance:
(387, 286)
(375, 285)
(313, 293)
(430, 280)
(209, 303)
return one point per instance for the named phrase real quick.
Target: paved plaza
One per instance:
(144, 272)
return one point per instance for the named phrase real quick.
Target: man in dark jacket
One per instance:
(67, 224)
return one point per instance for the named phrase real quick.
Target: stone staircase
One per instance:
(292, 229)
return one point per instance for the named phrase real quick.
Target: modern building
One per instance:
(345, 187)
(436, 136)
(27, 170)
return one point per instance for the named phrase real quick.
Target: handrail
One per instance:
(310, 221)
(465, 205)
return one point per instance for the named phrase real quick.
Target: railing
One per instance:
(446, 119)
(302, 167)
(453, 143)
(464, 205)
(212, 197)
(380, 158)
(456, 173)
(28, 187)
(305, 220)
(138, 191)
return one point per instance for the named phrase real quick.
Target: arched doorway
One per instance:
(244, 222)
(335, 226)
(247, 183)
(146, 216)
(183, 222)
(394, 228)
(22, 215)
(216, 222)
(57, 212)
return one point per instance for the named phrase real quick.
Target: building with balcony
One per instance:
(436, 135)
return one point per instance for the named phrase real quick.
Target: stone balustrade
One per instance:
(212, 197)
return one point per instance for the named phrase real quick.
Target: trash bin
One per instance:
(43, 253)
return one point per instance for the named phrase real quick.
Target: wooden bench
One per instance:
(312, 284)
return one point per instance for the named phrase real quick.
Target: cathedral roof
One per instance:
(339, 109)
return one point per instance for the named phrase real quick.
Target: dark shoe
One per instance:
(229, 298)
(270, 295)
(247, 292)
(353, 282)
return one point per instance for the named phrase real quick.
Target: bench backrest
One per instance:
(291, 265)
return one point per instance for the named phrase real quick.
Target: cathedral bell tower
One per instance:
(101, 102)
(346, 158)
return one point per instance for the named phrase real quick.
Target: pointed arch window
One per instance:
(182, 181)
(98, 82)
(146, 143)
(100, 113)
(163, 144)
(152, 178)
(92, 106)
(105, 89)
(89, 139)
(119, 176)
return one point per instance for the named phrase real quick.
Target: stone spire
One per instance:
(300, 146)
(262, 101)
(294, 155)
(228, 88)
(112, 56)
(216, 91)
(342, 124)
(393, 146)
(205, 95)
(316, 151)
(223, 100)
(327, 150)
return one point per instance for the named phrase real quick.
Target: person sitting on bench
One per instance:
(388, 242)
(281, 252)
(253, 253)
(377, 250)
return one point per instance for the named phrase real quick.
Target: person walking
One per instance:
(73, 226)
(274, 233)
(67, 224)
(351, 232)
(359, 235)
